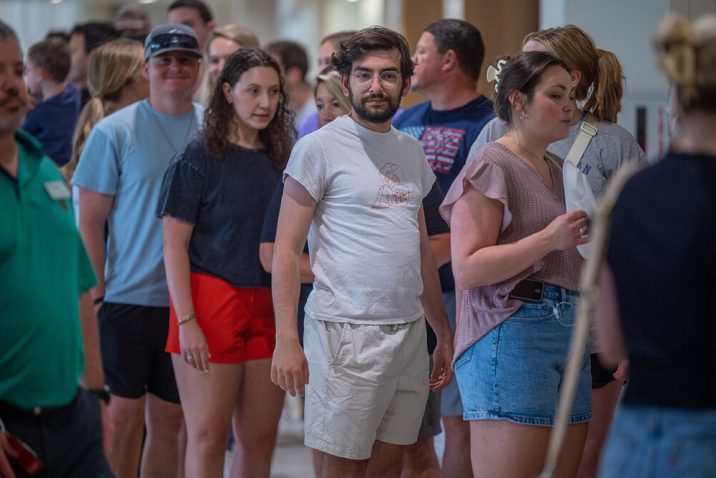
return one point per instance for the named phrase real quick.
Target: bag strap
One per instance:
(589, 288)
(587, 130)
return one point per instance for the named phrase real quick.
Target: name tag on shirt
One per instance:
(57, 190)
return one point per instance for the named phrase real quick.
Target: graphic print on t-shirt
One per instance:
(440, 143)
(391, 192)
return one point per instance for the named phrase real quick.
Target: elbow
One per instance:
(465, 278)
(266, 256)
(462, 280)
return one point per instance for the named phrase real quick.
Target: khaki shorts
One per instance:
(366, 383)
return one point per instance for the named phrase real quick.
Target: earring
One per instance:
(522, 115)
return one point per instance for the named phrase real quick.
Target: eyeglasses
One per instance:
(363, 79)
(171, 40)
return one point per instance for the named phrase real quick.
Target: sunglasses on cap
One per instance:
(169, 42)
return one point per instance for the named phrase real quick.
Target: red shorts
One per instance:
(238, 323)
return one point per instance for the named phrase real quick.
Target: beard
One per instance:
(375, 114)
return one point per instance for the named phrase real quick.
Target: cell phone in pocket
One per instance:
(25, 456)
(528, 289)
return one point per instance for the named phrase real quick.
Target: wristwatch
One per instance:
(101, 393)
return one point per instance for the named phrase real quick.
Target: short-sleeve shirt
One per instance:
(364, 239)
(126, 156)
(609, 148)
(529, 206)
(44, 269)
(225, 200)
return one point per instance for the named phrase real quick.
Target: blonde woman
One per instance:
(598, 77)
(114, 80)
(655, 303)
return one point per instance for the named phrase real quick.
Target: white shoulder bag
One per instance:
(577, 191)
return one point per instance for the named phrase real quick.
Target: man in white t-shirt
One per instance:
(358, 184)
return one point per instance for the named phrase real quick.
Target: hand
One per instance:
(568, 230)
(289, 368)
(5, 450)
(622, 372)
(194, 349)
(442, 365)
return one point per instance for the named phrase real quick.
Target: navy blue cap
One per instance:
(171, 37)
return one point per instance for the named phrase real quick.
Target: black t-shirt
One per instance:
(433, 221)
(663, 255)
(225, 200)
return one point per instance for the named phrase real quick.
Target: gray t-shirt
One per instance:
(126, 156)
(364, 239)
(609, 148)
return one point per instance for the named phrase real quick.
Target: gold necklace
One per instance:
(547, 180)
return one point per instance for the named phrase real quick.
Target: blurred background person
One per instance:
(131, 21)
(84, 38)
(294, 64)
(223, 42)
(328, 45)
(114, 80)
(197, 15)
(222, 331)
(448, 59)
(52, 120)
(655, 304)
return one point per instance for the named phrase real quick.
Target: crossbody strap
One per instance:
(587, 130)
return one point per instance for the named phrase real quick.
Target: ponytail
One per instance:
(607, 88)
(91, 114)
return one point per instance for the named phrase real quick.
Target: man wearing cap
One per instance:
(119, 177)
(48, 332)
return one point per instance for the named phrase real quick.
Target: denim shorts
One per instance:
(515, 372)
(660, 442)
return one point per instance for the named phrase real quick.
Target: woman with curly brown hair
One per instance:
(222, 335)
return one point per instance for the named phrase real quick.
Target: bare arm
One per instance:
(478, 261)
(94, 211)
(440, 244)
(435, 311)
(289, 369)
(266, 258)
(608, 325)
(93, 376)
(177, 235)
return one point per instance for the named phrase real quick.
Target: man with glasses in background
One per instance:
(119, 176)
(359, 184)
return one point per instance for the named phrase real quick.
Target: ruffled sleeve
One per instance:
(484, 174)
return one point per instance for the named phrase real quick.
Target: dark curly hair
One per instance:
(220, 119)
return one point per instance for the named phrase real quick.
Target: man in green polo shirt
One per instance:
(49, 340)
